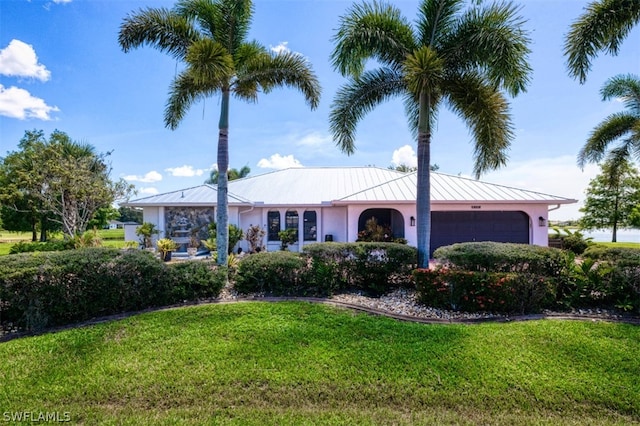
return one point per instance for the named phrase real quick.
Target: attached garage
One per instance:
(449, 227)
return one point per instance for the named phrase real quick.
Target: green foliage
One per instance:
(287, 237)
(196, 279)
(88, 239)
(278, 273)
(130, 214)
(58, 179)
(473, 291)
(373, 232)
(51, 245)
(166, 245)
(102, 216)
(235, 236)
(612, 197)
(146, 231)
(57, 288)
(503, 257)
(573, 241)
(374, 268)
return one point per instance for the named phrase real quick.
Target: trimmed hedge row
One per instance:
(325, 268)
(520, 278)
(56, 288)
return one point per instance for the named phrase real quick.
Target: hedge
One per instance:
(373, 267)
(56, 288)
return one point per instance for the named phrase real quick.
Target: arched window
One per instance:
(273, 224)
(291, 221)
(310, 226)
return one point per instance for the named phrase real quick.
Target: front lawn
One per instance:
(301, 363)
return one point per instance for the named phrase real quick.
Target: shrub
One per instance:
(52, 245)
(197, 279)
(57, 288)
(279, 273)
(372, 267)
(503, 257)
(473, 291)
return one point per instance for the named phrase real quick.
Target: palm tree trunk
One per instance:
(616, 213)
(423, 197)
(222, 213)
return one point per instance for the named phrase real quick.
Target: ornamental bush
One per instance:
(280, 273)
(56, 288)
(503, 257)
(52, 245)
(473, 291)
(373, 267)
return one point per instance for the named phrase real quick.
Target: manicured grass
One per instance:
(300, 363)
(621, 245)
(110, 238)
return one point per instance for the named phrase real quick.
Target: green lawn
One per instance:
(300, 363)
(110, 238)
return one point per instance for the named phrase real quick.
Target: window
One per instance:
(273, 224)
(310, 226)
(291, 221)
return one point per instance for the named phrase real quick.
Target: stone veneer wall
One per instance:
(188, 218)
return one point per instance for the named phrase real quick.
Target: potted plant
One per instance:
(165, 247)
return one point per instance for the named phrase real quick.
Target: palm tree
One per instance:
(453, 57)
(602, 27)
(232, 174)
(210, 37)
(621, 126)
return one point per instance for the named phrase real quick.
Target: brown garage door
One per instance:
(461, 227)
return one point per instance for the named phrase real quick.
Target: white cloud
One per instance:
(148, 191)
(19, 103)
(281, 48)
(184, 171)
(315, 140)
(555, 176)
(404, 156)
(278, 162)
(19, 59)
(150, 177)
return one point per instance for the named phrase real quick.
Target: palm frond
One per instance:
(208, 60)
(612, 128)
(371, 31)
(625, 87)
(159, 28)
(486, 112)
(358, 97)
(491, 40)
(243, 88)
(436, 19)
(284, 69)
(185, 90)
(601, 28)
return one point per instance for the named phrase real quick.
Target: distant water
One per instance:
(624, 235)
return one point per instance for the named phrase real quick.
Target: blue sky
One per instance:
(62, 68)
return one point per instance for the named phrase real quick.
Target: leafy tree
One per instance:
(454, 57)
(59, 180)
(129, 214)
(601, 28)
(210, 37)
(232, 174)
(611, 199)
(102, 217)
(621, 126)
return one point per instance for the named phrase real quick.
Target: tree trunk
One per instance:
(43, 228)
(616, 207)
(222, 212)
(423, 197)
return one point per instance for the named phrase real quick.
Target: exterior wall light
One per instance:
(542, 221)
(412, 221)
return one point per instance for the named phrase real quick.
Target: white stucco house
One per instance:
(333, 203)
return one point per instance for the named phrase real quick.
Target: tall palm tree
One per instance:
(456, 57)
(621, 126)
(232, 174)
(602, 27)
(210, 37)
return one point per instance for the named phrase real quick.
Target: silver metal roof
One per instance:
(344, 185)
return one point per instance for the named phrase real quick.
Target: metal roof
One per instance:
(344, 185)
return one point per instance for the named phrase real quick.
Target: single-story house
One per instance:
(334, 203)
